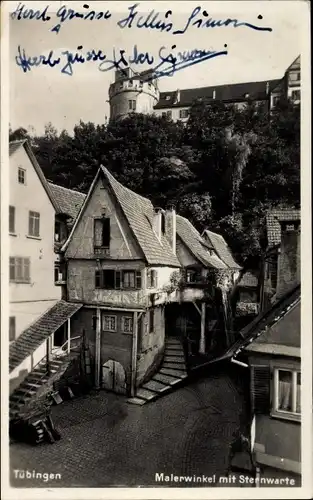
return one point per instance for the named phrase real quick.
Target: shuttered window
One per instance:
(20, 269)
(109, 279)
(260, 389)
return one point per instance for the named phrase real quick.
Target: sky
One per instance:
(45, 94)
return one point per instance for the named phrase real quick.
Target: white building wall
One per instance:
(28, 301)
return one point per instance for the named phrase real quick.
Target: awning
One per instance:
(34, 335)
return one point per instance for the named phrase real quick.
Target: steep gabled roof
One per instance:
(69, 201)
(13, 147)
(236, 92)
(222, 249)
(196, 244)
(260, 330)
(139, 214)
(273, 228)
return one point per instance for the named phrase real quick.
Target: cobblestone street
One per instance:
(107, 442)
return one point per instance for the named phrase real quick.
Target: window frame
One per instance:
(123, 324)
(12, 212)
(22, 171)
(131, 104)
(152, 278)
(183, 113)
(12, 325)
(108, 316)
(34, 217)
(118, 279)
(23, 263)
(275, 411)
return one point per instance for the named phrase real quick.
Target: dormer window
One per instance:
(168, 97)
(290, 227)
(102, 233)
(246, 96)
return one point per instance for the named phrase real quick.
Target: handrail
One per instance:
(44, 358)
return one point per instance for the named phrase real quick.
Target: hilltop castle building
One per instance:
(138, 93)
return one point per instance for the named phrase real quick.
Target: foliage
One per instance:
(222, 170)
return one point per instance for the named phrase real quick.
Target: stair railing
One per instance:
(43, 361)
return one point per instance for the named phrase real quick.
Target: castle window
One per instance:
(140, 83)
(131, 83)
(132, 105)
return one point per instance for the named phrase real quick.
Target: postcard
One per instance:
(156, 238)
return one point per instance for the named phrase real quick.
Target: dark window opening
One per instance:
(151, 320)
(12, 219)
(12, 328)
(102, 232)
(110, 279)
(163, 223)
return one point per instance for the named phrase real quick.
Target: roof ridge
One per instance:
(67, 189)
(223, 85)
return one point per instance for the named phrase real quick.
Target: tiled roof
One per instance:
(34, 335)
(273, 226)
(69, 201)
(196, 244)
(221, 248)
(236, 92)
(265, 328)
(249, 280)
(14, 146)
(139, 213)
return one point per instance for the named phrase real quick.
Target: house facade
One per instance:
(40, 320)
(272, 350)
(117, 256)
(31, 232)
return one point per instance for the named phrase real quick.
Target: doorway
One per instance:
(113, 377)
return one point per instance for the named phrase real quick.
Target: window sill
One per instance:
(108, 331)
(19, 282)
(127, 333)
(33, 237)
(12, 234)
(291, 417)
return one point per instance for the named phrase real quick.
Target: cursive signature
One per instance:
(153, 20)
(198, 18)
(166, 63)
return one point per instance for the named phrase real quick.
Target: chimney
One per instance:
(214, 94)
(289, 266)
(177, 95)
(157, 221)
(170, 228)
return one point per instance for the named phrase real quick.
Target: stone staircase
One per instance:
(170, 375)
(36, 384)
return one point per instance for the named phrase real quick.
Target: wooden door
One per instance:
(113, 377)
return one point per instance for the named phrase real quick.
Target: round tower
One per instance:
(132, 93)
